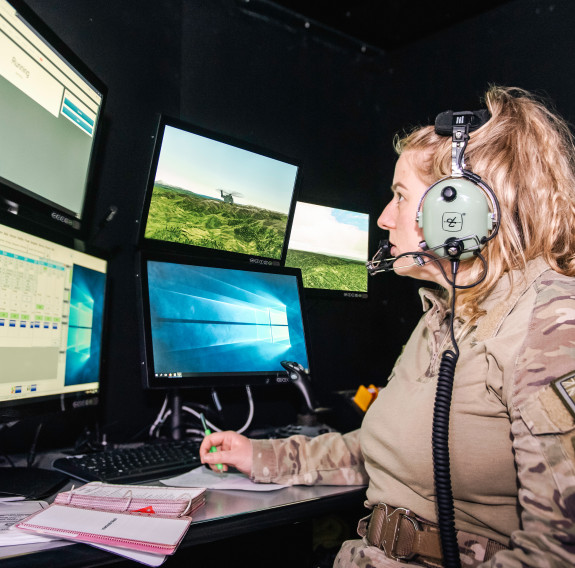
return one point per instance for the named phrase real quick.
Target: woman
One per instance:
(511, 436)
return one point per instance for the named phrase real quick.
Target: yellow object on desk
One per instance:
(365, 396)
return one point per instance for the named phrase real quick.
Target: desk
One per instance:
(226, 515)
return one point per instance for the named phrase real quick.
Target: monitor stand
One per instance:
(176, 416)
(30, 482)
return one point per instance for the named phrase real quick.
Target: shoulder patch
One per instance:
(565, 388)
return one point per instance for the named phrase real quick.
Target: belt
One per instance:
(404, 536)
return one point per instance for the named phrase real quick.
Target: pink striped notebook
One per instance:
(152, 499)
(145, 518)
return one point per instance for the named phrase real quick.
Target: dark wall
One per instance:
(326, 104)
(524, 43)
(313, 99)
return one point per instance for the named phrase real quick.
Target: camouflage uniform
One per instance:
(512, 440)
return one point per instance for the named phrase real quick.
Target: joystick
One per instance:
(300, 378)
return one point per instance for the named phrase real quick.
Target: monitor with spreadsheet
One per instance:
(212, 323)
(51, 324)
(50, 109)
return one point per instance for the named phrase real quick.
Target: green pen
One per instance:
(207, 432)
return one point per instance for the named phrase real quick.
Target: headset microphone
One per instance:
(382, 260)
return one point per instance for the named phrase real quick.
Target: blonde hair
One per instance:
(525, 153)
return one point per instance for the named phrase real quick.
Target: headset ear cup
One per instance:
(457, 208)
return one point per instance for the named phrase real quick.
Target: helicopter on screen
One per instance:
(228, 196)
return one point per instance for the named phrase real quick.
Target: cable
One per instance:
(197, 414)
(440, 445)
(32, 452)
(8, 459)
(194, 432)
(214, 428)
(433, 258)
(251, 412)
(162, 422)
(164, 413)
(160, 419)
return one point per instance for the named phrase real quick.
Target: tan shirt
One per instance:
(396, 432)
(511, 439)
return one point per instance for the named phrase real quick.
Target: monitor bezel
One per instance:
(165, 120)
(46, 405)
(30, 206)
(203, 380)
(330, 293)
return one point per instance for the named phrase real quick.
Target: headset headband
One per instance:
(458, 125)
(445, 121)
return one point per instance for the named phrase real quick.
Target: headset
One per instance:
(459, 213)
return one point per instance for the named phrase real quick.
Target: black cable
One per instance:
(8, 459)
(433, 258)
(440, 446)
(32, 452)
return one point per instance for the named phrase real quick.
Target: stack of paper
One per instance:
(167, 501)
(144, 523)
(11, 512)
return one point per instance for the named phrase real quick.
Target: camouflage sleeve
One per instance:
(329, 459)
(544, 434)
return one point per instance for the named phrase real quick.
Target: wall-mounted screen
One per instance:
(330, 247)
(52, 301)
(50, 106)
(219, 195)
(215, 323)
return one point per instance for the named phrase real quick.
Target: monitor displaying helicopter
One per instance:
(219, 194)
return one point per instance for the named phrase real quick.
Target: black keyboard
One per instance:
(146, 462)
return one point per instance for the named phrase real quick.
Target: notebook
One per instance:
(160, 500)
(142, 518)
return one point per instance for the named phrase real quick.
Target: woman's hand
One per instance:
(233, 449)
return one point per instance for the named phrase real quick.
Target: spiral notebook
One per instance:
(147, 519)
(150, 499)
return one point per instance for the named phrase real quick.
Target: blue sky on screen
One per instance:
(205, 166)
(326, 230)
(220, 320)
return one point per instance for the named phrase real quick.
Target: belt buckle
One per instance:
(391, 531)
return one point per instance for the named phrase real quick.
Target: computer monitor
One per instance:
(50, 108)
(217, 196)
(330, 246)
(211, 323)
(51, 322)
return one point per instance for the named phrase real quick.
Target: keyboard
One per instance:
(146, 462)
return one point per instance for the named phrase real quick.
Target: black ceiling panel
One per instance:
(384, 24)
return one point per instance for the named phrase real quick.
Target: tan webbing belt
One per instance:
(404, 536)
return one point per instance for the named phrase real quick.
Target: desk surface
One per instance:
(225, 514)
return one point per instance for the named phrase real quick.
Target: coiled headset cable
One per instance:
(440, 443)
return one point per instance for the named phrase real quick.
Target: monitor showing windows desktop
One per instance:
(330, 246)
(50, 108)
(51, 323)
(210, 323)
(217, 196)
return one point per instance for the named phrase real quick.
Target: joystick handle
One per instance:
(299, 377)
